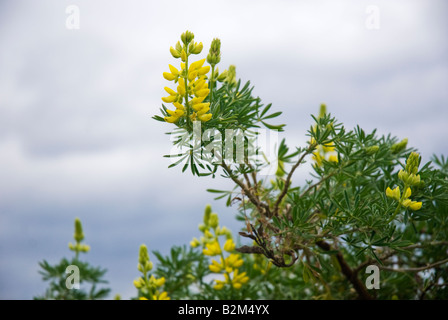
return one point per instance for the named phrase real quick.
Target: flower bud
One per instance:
(403, 176)
(207, 212)
(214, 220)
(178, 47)
(222, 76)
(174, 53)
(194, 243)
(79, 235)
(400, 146)
(148, 266)
(231, 74)
(187, 37)
(197, 48)
(229, 246)
(372, 150)
(415, 205)
(322, 110)
(183, 55)
(138, 283)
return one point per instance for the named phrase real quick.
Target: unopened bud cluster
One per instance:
(410, 178)
(148, 286)
(227, 266)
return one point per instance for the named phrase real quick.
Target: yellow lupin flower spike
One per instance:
(191, 81)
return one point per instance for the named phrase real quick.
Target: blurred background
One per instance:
(80, 81)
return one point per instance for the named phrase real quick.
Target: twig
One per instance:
(288, 178)
(435, 264)
(390, 254)
(348, 272)
(262, 207)
(316, 184)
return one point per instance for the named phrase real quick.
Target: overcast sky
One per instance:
(77, 138)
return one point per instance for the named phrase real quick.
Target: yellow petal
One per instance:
(192, 75)
(178, 105)
(171, 119)
(202, 93)
(170, 91)
(197, 100)
(168, 76)
(203, 111)
(205, 117)
(197, 64)
(415, 205)
(408, 193)
(204, 70)
(389, 192)
(200, 106)
(229, 245)
(173, 70)
(169, 99)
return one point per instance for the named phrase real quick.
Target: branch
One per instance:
(348, 272)
(390, 254)
(260, 205)
(435, 264)
(288, 178)
(316, 184)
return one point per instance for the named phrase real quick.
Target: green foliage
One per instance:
(90, 278)
(368, 202)
(60, 286)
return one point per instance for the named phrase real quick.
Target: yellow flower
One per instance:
(170, 91)
(173, 70)
(197, 100)
(203, 70)
(215, 267)
(194, 243)
(333, 158)
(192, 86)
(171, 119)
(174, 53)
(229, 246)
(219, 285)
(328, 147)
(407, 194)
(202, 93)
(317, 158)
(142, 298)
(157, 282)
(181, 87)
(413, 205)
(205, 117)
(168, 76)
(239, 279)
(183, 55)
(178, 105)
(200, 106)
(197, 64)
(234, 261)
(169, 99)
(161, 296)
(212, 249)
(394, 194)
(176, 113)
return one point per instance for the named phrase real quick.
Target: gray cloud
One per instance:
(76, 137)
